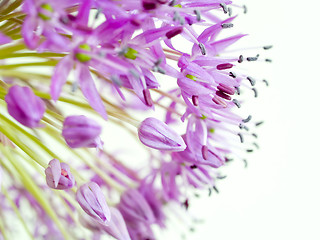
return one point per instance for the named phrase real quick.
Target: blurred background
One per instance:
(278, 195)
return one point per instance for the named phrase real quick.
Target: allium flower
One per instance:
(156, 134)
(24, 106)
(58, 175)
(80, 131)
(93, 202)
(103, 59)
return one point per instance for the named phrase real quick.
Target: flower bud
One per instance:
(156, 134)
(24, 106)
(93, 202)
(80, 131)
(58, 175)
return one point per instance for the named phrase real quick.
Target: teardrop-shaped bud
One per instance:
(24, 106)
(93, 202)
(156, 134)
(80, 131)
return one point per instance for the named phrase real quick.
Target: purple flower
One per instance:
(156, 134)
(80, 131)
(58, 175)
(24, 106)
(93, 202)
(4, 39)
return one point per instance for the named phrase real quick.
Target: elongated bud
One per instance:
(80, 131)
(156, 134)
(24, 106)
(134, 207)
(58, 175)
(93, 202)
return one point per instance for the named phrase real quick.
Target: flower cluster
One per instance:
(108, 58)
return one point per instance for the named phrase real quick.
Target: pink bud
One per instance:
(24, 106)
(58, 175)
(156, 134)
(80, 131)
(93, 202)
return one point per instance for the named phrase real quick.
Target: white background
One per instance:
(278, 196)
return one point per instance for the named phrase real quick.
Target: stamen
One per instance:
(256, 145)
(252, 59)
(221, 177)
(241, 137)
(147, 97)
(268, 60)
(232, 74)
(226, 89)
(259, 123)
(238, 90)
(193, 166)
(236, 102)
(172, 3)
(254, 135)
(230, 11)
(252, 81)
(226, 25)
(240, 60)
(223, 95)
(224, 7)
(245, 163)
(148, 5)
(204, 151)
(267, 47)
(195, 100)
(249, 150)
(247, 119)
(202, 48)
(174, 32)
(255, 92)
(197, 12)
(224, 66)
(245, 9)
(266, 82)
(216, 189)
(219, 101)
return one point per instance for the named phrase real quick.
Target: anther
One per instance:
(147, 97)
(249, 150)
(254, 135)
(172, 3)
(232, 74)
(255, 91)
(241, 137)
(259, 123)
(245, 163)
(223, 95)
(237, 103)
(195, 100)
(238, 90)
(228, 159)
(217, 100)
(193, 166)
(134, 73)
(267, 47)
(256, 145)
(224, 7)
(252, 81)
(221, 177)
(245, 9)
(224, 66)
(161, 70)
(240, 60)
(268, 60)
(226, 25)
(247, 119)
(174, 32)
(202, 48)
(230, 11)
(252, 59)
(99, 10)
(266, 82)
(148, 5)
(216, 189)
(210, 192)
(226, 89)
(197, 12)
(204, 151)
